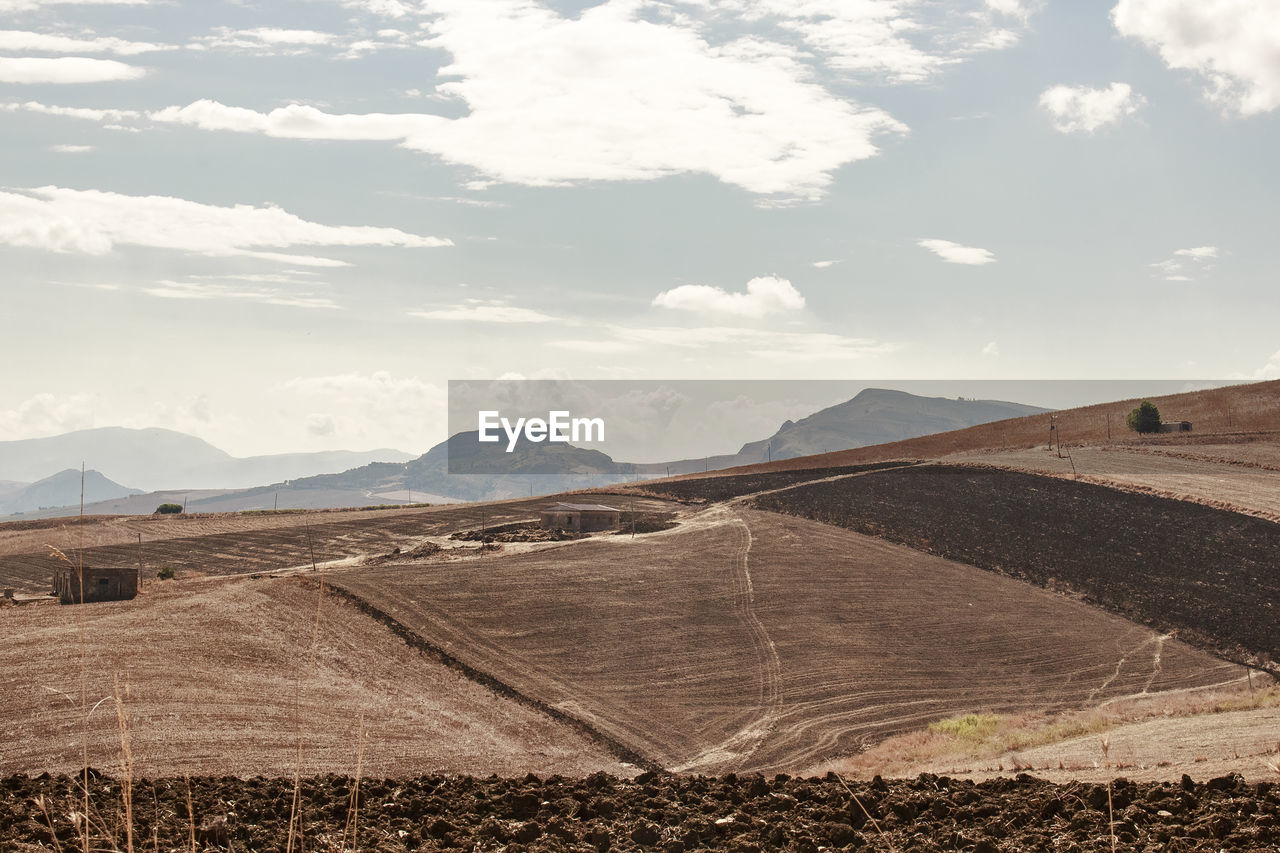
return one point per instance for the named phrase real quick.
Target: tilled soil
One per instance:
(1208, 574)
(650, 812)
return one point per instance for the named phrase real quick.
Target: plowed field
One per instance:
(1210, 575)
(244, 543)
(220, 681)
(747, 640)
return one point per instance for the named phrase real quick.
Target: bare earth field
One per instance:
(238, 543)
(745, 640)
(1210, 575)
(219, 677)
(1224, 476)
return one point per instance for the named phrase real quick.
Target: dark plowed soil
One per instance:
(652, 812)
(1210, 575)
(712, 489)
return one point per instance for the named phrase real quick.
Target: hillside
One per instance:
(63, 489)
(156, 459)
(1232, 414)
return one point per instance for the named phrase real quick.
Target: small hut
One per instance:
(1175, 426)
(100, 584)
(583, 518)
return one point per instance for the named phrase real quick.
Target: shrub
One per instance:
(165, 574)
(967, 727)
(1145, 418)
(168, 509)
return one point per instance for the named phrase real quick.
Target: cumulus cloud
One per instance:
(1185, 262)
(765, 295)
(1079, 109)
(48, 414)
(484, 311)
(65, 69)
(1270, 370)
(1233, 44)
(94, 222)
(954, 253)
(605, 95)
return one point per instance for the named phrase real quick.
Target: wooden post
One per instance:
(139, 562)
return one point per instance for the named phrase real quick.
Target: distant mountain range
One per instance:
(63, 489)
(874, 416)
(153, 459)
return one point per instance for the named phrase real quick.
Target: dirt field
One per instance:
(239, 543)
(668, 813)
(1210, 575)
(216, 671)
(746, 640)
(1212, 475)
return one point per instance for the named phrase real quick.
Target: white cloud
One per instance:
(1270, 370)
(822, 265)
(94, 222)
(376, 409)
(33, 5)
(73, 112)
(606, 95)
(760, 343)
(386, 8)
(23, 41)
(992, 349)
(954, 253)
(1079, 109)
(765, 295)
(901, 40)
(48, 414)
(65, 69)
(1233, 44)
(272, 41)
(485, 311)
(601, 347)
(71, 149)
(1187, 261)
(260, 295)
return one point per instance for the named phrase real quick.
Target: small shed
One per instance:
(584, 518)
(100, 584)
(1175, 426)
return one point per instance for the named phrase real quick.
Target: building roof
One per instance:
(580, 508)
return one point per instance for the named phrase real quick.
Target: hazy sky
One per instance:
(284, 225)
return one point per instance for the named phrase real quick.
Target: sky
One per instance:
(284, 225)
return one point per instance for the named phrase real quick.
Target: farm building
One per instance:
(100, 584)
(1175, 426)
(581, 517)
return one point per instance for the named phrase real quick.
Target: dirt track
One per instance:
(658, 812)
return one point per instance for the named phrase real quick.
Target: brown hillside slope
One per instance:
(216, 671)
(1238, 413)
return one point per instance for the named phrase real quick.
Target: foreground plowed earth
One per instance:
(657, 812)
(220, 677)
(746, 640)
